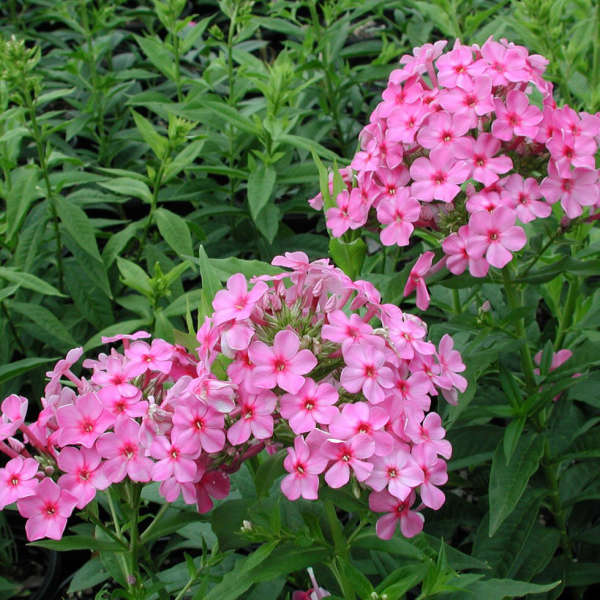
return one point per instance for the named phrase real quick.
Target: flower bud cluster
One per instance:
(468, 142)
(301, 366)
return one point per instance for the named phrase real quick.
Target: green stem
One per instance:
(134, 501)
(153, 205)
(154, 523)
(515, 301)
(13, 330)
(547, 245)
(175, 43)
(340, 546)
(456, 302)
(38, 138)
(119, 532)
(566, 317)
(231, 99)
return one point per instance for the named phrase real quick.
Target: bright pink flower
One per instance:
(472, 102)
(405, 123)
(199, 424)
(347, 331)
(568, 150)
(443, 129)
(124, 453)
(495, 236)
(282, 364)
(174, 459)
(525, 193)
(439, 176)
(236, 302)
(411, 522)
(416, 279)
(430, 433)
(479, 154)
(398, 472)
(347, 454)
(17, 480)
(507, 64)
(365, 371)
(398, 212)
(214, 484)
(575, 189)
(12, 415)
(47, 511)
(312, 404)
(517, 118)
(451, 364)
(408, 335)
(82, 476)
(255, 418)
(304, 468)
(434, 474)
(82, 422)
(456, 248)
(456, 68)
(142, 357)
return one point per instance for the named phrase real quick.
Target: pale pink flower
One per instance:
(82, 474)
(198, 423)
(398, 472)
(256, 418)
(142, 357)
(236, 302)
(312, 404)
(517, 118)
(434, 474)
(365, 371)
(399, 213)
(347, 454)
(17, 480)
(174, 459)
(411, 522)
(83, 421)
(304, 468)
(456, 248)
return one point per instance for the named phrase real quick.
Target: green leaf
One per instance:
(268, 471)
(268, 221)
(158, 143)
(14, 369)
(158, 55)
(225, 267)
(118, 241)
(348, 256)
(19, 196)
(230, 115)
(498, 589)
(507, 483)
(88, 576)
(127, 186)
(175, 232)
(58, 336)
(211, 282)
(29, 281)
(81, 542)
(184, 159)
(135, 277)
(242, 576)
(512, 434)
(79, 226)
(260, 188)
(307, 144)
(401, 580)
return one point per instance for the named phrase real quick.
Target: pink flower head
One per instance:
(434, 474)
(416, 279)
(399, 213)
(17, 480)
(82, 474)
(84, 421)
(47, 511)
(518, 117)
(365, 371)
(411, 522)
(346, 455)
(283, 364)
(312, 404)
(198, 423)
(495, 236)
(174, 459)
(304, 468)
(347, 331)
(142, 357)
(525, 193)
(480, 156)
(398, 472)
(456, 248)
(575, 189)
(255, 419)
(236, 302)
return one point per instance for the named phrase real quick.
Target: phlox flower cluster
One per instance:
(308, 360)
(350, 398)
(468, 142)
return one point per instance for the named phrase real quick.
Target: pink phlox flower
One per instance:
(407, 335)
(434, 474)
(47, 511)
(282, 364)
(156, 421)
(63, 368)
(367, 159)
(126, 337)
(471, 102)
(348, 331)
(360, 419)
(208, 335)
(416, 280)
(256, 418)
(457, 67)
(507, 64)
(312, 404)
(317, 202)
(575, 189)
(303, 467)
(350, 213)
(215, 393)
(12, 415)
(200, 425)
(558, 358)
(451, 364)
(236, 302)
(398, 94)
(213, 484)
(413, 392)
(345, 455)
(84, 421)
(411, 522)
(495, 236)
(82, 475)
(387, 182)
(517, 117)
(365, 371)
(404, 122)
(488, 199)
(456, 248)
(428, 365)
(430, 433)
(314, 593)
(443, 129)
(143, 357)
(17, 480)
(568, 150)
(399, 213)
(123, 399)
(175, 458)
(235, 336)
(420, 61)
(398, 472)
(366, 293)
(525, 193)
(479, 154)
(439, 176)
(124, 452)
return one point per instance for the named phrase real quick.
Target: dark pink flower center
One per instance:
(84, 474)
(199, 424)
(493, 235)
(392, 473)
(309, 405)
(50, 509)
(128, 451)
(15, 481)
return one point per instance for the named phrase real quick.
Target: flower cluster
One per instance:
(301, 365)
(460, 143)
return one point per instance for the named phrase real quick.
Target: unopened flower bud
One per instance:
(246, 526)
(486, 306)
